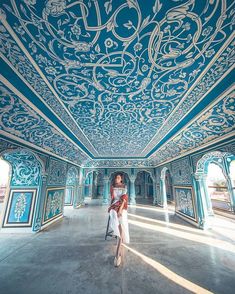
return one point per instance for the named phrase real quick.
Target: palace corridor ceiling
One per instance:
(117, 83)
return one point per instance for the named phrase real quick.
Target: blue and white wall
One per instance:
(189, 186)
(36, 193)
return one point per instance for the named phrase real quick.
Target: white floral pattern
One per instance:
(143, 72)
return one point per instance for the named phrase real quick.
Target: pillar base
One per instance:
(105, 202)
(132, 202)
(154, 201)
(205, 224)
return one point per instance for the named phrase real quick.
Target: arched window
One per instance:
(4, 181)
(217, 188)
(232, 173)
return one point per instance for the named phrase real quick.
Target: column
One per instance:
(83, 192)
(231, 192)
(40, 204)
(154, 192)
(132, 190)
(106, 191)
(90, 189)
(163, 198)
(76, 192)
(202, 181)
(228, 178)
(201, 203)
(81, 188)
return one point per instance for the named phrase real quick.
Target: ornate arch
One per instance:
(9, 151)
(216, 157)
(163, 172)
(147, 171)
(38, 170)
(118, 171)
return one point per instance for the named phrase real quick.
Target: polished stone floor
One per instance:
(166, 255)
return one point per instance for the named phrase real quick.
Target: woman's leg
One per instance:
(118, 252)
(118, 258)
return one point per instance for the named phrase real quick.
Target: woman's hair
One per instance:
(114, 182)
(117, 176)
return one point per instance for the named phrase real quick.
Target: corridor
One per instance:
(166, 255)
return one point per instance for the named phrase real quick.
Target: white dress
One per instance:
(115, 221)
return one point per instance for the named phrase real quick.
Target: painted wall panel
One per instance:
(54, 202)
(185, 203)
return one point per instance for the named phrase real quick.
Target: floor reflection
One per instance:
(169, 274)
(211, 241)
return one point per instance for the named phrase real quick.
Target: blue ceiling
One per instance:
(117, 82)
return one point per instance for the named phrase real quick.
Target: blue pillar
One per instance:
(132, 190)
(206, 194)
(83, 191)
(201, 203)
(163, 198)
(154, 192)
(40, 205)
(106, 191)
(231, 190)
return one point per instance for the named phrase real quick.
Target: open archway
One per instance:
(23, 201)
(88, 185)
(144, 188)
(5, 176)
(232, 174)
(93, 185)
(97, 185)
(217, 188)
(166, 188)
(71, 192)
(169, 187)
(215, 185)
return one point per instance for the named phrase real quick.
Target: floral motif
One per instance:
(26, 168)
(184, 201)
(210, 53)
(138, 46)
(76, 30)
(207, 31)
(103, 69)
(19, 119)
(20, 206)
(51, 70)
(82, 47)
(54, 204)
(30, 2)
(55, 7)
(108, 43)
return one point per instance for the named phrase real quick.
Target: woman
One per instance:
(118, 215)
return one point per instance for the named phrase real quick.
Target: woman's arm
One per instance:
(121, 208)
(111, 193)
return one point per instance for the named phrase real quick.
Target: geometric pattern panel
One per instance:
(122, 74)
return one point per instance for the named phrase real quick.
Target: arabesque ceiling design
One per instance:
(117, 83)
